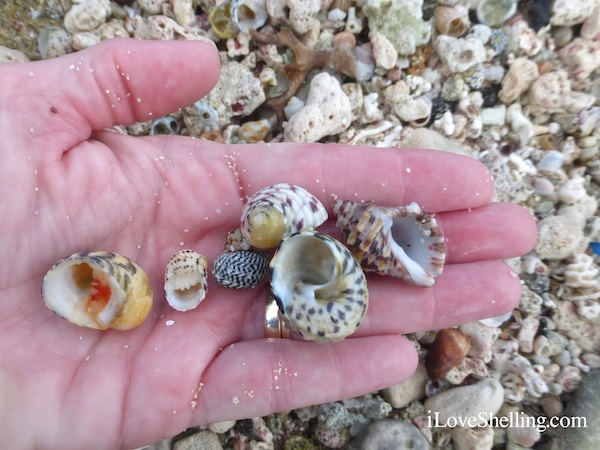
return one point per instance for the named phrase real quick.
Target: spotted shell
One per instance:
(186, 279)
(276, 212)
(319, 287)
(239, 270)
(403, 242)
(98, 290)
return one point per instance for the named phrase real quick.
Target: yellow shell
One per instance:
(98, 290)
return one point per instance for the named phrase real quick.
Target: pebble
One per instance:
(389, 434)
(558, 237)
(477, 401)
(410, 390)
(205, 439)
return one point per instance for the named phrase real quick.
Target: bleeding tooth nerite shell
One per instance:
(239, 270)
(276, 212)
(320, 288)
(404, 242)
(186, 279)
(98, 290)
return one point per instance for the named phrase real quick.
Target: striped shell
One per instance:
(98, 290)
(403, 242)
(276, 212)
(319, 286)
(239, 270)
(186, 279)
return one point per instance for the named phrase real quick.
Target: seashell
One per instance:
(404, 242)
(239, 270)
(319, 286)
(186, 279)
(276, 212)
(447, 350)
(221, 21)
(98, 290)
(165, 125)
(246, 14)
(453, 21)
(254, 131)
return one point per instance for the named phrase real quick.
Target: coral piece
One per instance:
(184, 12)
(327, 111)
(582, 272)
(302, 15)
(87, 15)
(566, 13)
(521, 73)
(547, 93)
(459, 54)
(305, 60)
(559, 237)
(400, 21)
(384, 52)
(582, 56)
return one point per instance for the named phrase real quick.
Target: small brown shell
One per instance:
(448, 349)
(403, 242)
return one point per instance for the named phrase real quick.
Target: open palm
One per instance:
(67, 185)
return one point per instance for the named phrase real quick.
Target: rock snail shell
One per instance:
(240, 270)
(98, 290)
(246, 14)
(186, 279)
(276, 212)
(319, 287)
(404, 242)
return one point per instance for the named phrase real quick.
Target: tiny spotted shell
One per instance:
(186, 280)
(276, 212)
(239, 270)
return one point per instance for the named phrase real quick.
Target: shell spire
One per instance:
(403, 242)
(276, 212)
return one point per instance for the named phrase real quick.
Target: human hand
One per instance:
(67, 186)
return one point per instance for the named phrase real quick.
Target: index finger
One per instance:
(436, 180)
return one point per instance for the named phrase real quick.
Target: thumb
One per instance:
(117, 82)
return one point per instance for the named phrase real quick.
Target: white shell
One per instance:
(98, 290)
(319, 286)
(186, 280)
(276, 212)
(404, 242)
(246, 14)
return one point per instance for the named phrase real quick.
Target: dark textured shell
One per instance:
(239, 270)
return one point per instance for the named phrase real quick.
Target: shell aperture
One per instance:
(276, 212)
(98, 290)
(319, 286)
(186, 280)
(403, 242)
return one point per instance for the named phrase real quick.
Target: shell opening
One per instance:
(309, 266)
(407, 233)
